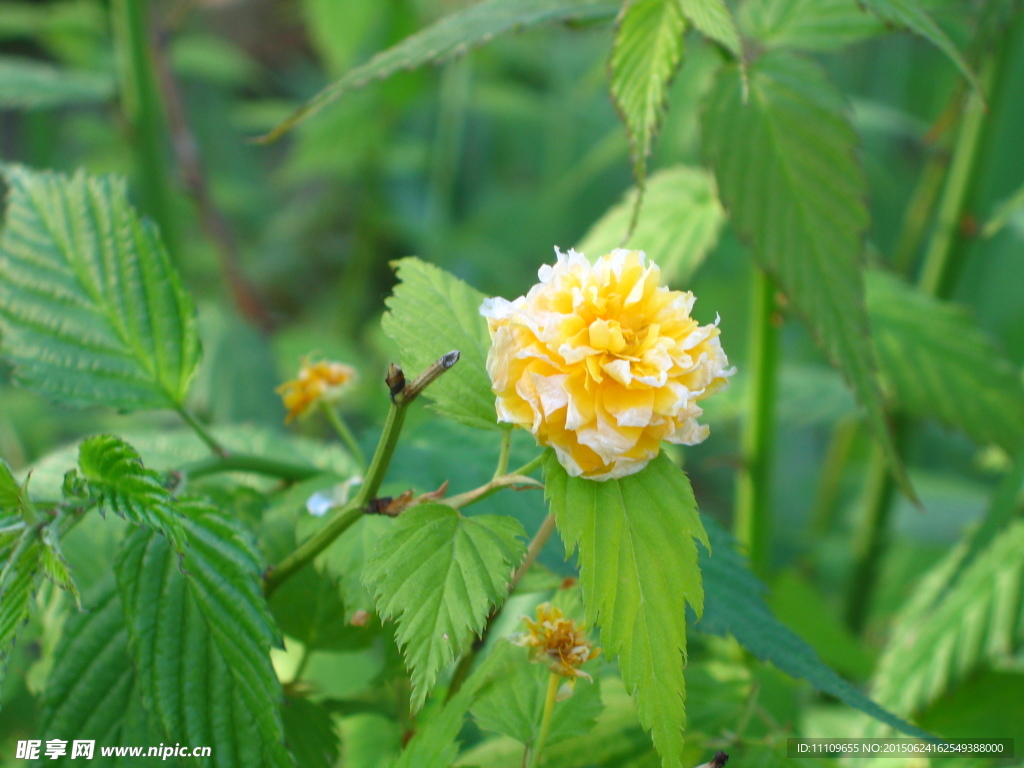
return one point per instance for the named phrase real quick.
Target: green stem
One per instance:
(257, 465)
(345, 517)
(342, 520)
(339, 425)
(531, 466)
(142, 110)
(385, 450)
(519, 482)
(844, 438)
(752, 524)
(202, 432)
(870, 541)
(503, 453)
(307, 654)
(554, 681)
(941, 265)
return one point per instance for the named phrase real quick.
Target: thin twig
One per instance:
(190, 167)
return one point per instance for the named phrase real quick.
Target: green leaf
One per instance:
(809, 25)
(53, 564)
(786, 169)
(713, 18)
(308, 607)
(941, 364)
(31, 84)
(115, 477)
(201, 636)
(514, 705)
(678, 224)
(1007, 210)
(17, 590)
(311, 734)
(11, 492)
(942, 638)
(346, 559)
(434, 745)
(646, 53)
(638, 570)
(431, 313)
(91, 310)
(450, 37)
(91, 691)
(438, 575)
(910, 14)
(735, 605)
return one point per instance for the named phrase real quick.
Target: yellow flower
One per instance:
(557, 641)
(324, 381)
(602, 363)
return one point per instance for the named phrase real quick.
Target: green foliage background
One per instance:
(840, 181)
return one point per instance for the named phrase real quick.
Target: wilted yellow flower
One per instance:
(557, 641)
(324, 381)
(602, 363)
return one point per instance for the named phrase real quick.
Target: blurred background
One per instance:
(481, 166)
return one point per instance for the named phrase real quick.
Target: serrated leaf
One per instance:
(734, 604)
(10, 490)
(438, 575)
(91, 310)
(714, 19)
(91, 691)
(978, 621)
(31, 84)
(53, 564)
(787, 173)
(450, 37)
(808, 25)
(430, 313)
(910, 14)
(201, 637)
(638, 571)
(514, 704)
(646, 53)
(17, 589)
(678, 224)
(941, 364)
(115, 477)
(434, 745)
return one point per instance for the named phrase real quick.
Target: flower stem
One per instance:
(402, 395)
(503, 453)
(342, 430)
(530, 466)
(554, 680)
(202, 432)
(340, 522)
(345, 517)
(752, 523)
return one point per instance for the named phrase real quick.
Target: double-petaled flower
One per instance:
(602, 363)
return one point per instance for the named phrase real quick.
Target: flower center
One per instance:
(610, 336)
